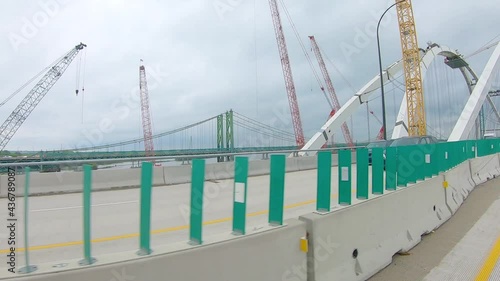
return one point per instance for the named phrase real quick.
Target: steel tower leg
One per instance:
(229, 134)
(220, 136)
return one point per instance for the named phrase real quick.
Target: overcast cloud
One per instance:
(204, 57)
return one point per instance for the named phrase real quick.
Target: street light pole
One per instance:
(384, 124)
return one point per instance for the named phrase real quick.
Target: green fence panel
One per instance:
(481, 147)
(277, 189)
(324, 181)
(344, 172)
(459, 153)
(405, 169)
(196, 214)
(240, 195)
(465, 156)
(442, 156)
(28, 268)
(416, 159)
(491, 146)
(362, 173)
(449, 156)
(456, 155)
(145, 219)
(391, 166)
(378, 168)
(87, 205)
(427, 151)
(469, 144)
(485, 146)
(435, 159)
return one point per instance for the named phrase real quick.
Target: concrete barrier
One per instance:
(460, 185)
(259, 167)
(219, 171)
(292, 165)
(269, 255)
(367, 235)
(307, 163)
(158, 176)
(484, 168)
(177, 174)
(70, 182)
(106, 179)
(47, 183)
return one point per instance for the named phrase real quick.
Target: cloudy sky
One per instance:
(204, 57)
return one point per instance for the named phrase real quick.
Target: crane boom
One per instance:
(380, 135)
(146, 115)
(287, 74)
(413, 76)
(331, 89)
(33, 98)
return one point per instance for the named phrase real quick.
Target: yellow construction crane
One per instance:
(413, 76)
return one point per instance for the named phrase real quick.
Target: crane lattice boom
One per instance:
(33, 98)
(413, 76)
(380, 135)
(146, 114)
(331, 89)
(287, 73)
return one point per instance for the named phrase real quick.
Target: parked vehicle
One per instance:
(490, 135)
(414, 141)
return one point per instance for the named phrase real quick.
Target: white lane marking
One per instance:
(77, 207)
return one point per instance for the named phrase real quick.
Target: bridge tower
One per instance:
(229, 133)
(220, 136)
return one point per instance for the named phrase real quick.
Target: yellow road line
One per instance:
(489, 263)
(156, 231)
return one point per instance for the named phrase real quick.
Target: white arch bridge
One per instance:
(479, 88)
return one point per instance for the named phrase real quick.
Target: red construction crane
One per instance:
(331, 90)
(146, 115)
(380, 135)
(287, 74)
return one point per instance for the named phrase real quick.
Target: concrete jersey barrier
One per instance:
(71, 182)
(269, 255)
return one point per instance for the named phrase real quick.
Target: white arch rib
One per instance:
(466, 120)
